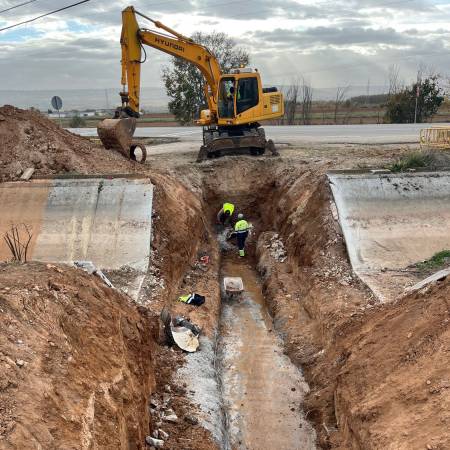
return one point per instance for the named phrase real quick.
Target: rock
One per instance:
(167, 388)
(154, 403)
(27, 174)
(172, 418)
(20, 362)
(155, 434)
(191, 419)
(163, 435)
(157, 443)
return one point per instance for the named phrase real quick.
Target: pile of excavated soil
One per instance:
(76, 361)
(389, 370)
(28, 139)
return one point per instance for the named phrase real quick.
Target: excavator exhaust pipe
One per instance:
(117, 134)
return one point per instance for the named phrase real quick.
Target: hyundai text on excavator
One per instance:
(237, 102)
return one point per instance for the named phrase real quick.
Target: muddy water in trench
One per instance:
(262, 389)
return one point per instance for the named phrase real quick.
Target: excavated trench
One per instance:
(248, 376)
(262, 391)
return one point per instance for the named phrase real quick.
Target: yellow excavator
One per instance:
(237, 102)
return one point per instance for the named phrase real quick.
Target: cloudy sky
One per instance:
(330, 43)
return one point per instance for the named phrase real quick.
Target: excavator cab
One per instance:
(227, 103)
(243, 100)
(237, 95)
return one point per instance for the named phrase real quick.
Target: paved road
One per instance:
(325, 134)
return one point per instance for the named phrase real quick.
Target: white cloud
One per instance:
(332, 42)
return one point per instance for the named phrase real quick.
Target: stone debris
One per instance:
(89, 267)
(172, 418)
(27, 174)
(154, 282)
(191, 419)
(162, 434)
(276, 248)
(156, 443)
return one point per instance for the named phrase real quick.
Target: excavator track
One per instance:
(217, 142)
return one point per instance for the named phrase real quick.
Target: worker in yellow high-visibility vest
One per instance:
(225, 214)
(241, 229)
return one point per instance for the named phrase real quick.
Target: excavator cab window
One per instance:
(247, 94)
(226, 98)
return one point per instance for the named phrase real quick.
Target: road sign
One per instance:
(57, 102)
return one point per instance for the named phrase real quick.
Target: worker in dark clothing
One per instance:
(241, 230)
(225, 214)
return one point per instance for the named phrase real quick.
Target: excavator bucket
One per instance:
(117, 134)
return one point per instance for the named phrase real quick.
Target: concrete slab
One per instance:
(438, 276)
(103, 220)
(391, 221)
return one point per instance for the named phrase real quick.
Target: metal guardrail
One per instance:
(436, 137)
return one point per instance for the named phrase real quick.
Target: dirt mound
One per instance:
(28, 139)
(391, 374)
(76, 362)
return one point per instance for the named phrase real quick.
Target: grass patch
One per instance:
(439, 259)
(414, 160)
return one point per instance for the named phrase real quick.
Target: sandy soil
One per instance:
(76, 361)
(378, 374)
(28, 139)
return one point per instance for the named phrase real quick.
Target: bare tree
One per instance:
(395, 84)
(290, 102)
(306, 99)
(341, 93)
(18, 239)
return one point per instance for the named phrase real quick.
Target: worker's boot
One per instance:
(241, 253)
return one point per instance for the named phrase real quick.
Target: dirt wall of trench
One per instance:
(377, 373)
(76, 361)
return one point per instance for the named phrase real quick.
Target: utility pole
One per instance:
(418, 83)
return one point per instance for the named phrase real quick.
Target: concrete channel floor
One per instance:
(263, 390)
(104, 220)
(391, 221)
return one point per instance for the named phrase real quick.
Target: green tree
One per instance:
(401, 105)
(77, 121)
(184, 82)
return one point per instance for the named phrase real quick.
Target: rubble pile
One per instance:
(276, 248)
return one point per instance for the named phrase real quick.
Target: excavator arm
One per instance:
(132, 39)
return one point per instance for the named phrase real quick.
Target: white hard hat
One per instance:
(240, 216)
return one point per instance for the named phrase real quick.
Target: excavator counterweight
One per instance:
(237, 102)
